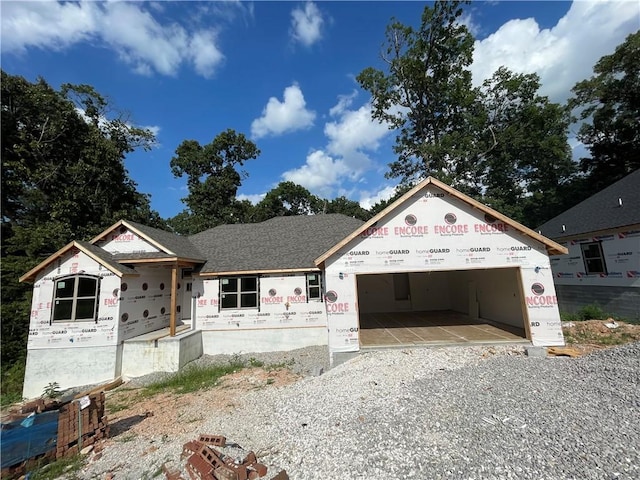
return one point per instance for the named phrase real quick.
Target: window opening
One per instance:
(75, 299)
(314, 286)
(593, 258)
(239, 292)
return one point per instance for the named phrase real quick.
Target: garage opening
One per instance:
(441, 307)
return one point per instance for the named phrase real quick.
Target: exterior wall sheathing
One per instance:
(434, 231)
(618, 290)
(284, 320)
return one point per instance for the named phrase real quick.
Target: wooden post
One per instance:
(174, 300)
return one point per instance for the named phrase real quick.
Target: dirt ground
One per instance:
(169, 413)
(587, 336)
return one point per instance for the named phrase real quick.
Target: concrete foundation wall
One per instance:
(166, 354)
(621, 301)
(69, 367)
(272, 340)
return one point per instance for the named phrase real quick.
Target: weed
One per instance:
(253, 362)
(569, 317)
(117, 407)
(192, 379)
(592, 312)
(129, 437)
(279, 366)
(67, 466)
(588, 312)
(271, 381)
(52, 390)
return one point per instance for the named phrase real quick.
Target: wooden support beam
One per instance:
(174, 300)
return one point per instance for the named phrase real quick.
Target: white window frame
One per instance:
(239, 291)
(74, 298)
(313, 286)
(586, 248)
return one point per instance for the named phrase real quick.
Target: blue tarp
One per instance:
(19, 442)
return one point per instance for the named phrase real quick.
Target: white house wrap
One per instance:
(137, 299)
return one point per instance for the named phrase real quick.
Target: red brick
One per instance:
(215, 440)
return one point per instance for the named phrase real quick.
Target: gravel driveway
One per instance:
(428, 413)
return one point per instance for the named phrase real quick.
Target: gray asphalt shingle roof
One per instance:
(601, 211)
(175, 243)
(280, 243)
(106, 258)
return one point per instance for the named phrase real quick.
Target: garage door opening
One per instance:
(444, 307)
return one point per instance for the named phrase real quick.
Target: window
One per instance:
(593, 258)
(314, 286)
(75, 299)
(239, 292)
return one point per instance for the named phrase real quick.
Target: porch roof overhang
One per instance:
(255, 272)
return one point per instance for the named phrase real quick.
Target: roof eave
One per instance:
(142, 235)
(31, 274)
(256, 272)
(549, 244)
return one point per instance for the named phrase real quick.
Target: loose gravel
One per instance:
(426, 413)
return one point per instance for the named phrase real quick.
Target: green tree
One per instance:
(63, 177)
(426, 95)
(213, 180)
(609, 103)
(347, 207)
(286, 199)
(524, 155)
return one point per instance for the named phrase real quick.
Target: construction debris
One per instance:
(564, 352)
(204, 462)
(81, 423)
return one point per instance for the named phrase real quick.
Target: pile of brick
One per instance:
(204, 462)
(40, 405)
(81, 423)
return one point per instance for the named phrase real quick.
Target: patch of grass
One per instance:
(129, 437)
(117, 406)
(192, 379)
(615, 338)
(279, 366)
(569, 317)
(588, 312)
(67, 466)
(254, 362)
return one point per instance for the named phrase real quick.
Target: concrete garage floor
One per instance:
(432, 328)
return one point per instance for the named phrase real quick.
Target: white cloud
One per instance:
(467, 20)
(344, 102)
(350, 140)
(205, 54)
(306, 25)
(283, 117)
(46, 24)
(127, 28)
(561, 55)
(319, 173)
(253, 198)
(368, 200)
(355, 131)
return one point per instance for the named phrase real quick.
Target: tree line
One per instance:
(503, 143)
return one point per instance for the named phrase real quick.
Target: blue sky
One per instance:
(282, 73)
